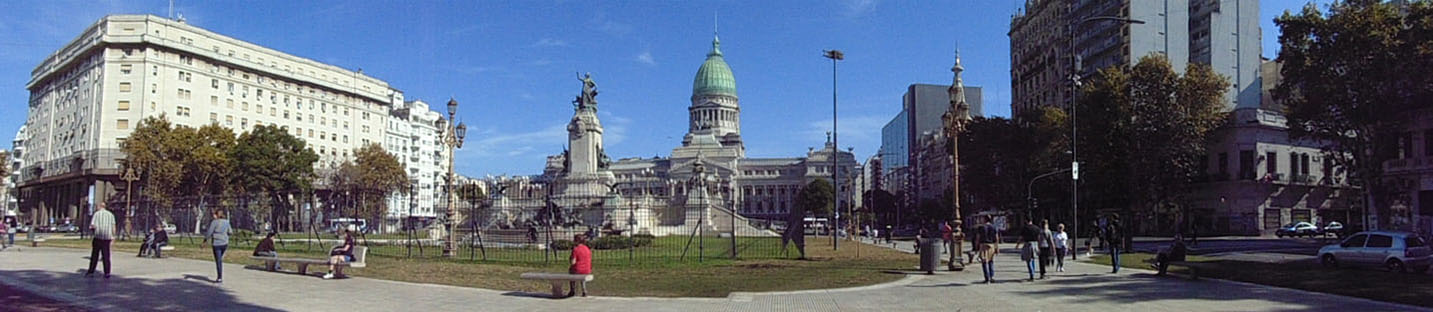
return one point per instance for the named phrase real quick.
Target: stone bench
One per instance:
(360, 253)
(36, 242)
(1193, 267)
(166, 248)
(558, 279)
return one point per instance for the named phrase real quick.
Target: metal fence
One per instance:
(536, 229)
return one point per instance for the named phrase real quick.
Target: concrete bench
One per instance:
(166, 248)
(36, 242)
(558, 279)
(1193, 267)
(360, 253)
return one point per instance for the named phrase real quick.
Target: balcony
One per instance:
(1305, 179)
(1408, 165)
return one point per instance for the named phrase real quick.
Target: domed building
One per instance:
(706, 177)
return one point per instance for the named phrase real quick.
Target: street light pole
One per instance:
(129, 178)
(452, 139)
(954, 121)
(834, 55)
(1074, 120)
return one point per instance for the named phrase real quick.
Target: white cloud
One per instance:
(549, 42)
(855, 8)
(646, 58)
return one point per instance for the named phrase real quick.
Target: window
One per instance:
(1246, 165)
(1304, 167)
(1355, 242)
(1380, 241)
(243, 123)
(214, 83)
(214, 100)
(125, 87)
(245, 106)
(1413, 241)
(123, 106)
(1223, 163)
(214, 117)
(229, 103)
(121, 124)
(1271, 161)
(1293, 163)
(274, 111)
(126, 69)
(1272, 218)
(310, 133)
(228, 120)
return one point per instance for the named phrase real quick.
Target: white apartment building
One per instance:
(412, 135)
(88, 96)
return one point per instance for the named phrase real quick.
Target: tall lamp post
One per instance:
(129, 178)
(1074, 121)
(955, 119)
(834, 55)
(452, 139)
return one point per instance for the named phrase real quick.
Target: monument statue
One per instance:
(588, 99)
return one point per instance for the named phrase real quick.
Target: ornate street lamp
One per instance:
(955, 120)
(453, 140)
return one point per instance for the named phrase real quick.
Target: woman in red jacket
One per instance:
(581, 263)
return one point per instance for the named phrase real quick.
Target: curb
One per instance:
(1398, 306)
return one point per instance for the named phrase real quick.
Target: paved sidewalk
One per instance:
(183, 285)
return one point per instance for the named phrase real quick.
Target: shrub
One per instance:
(643, 239)
(611, 242)
(563, 244)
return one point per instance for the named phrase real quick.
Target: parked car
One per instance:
(1392, 250)
(1333, 228)
(66, 228)
(1297, 229)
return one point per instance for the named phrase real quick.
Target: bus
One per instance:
(815, 226)
(336, 224)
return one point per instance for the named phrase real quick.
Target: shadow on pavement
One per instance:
(118, 292)
(1145, 287)
(532, 295)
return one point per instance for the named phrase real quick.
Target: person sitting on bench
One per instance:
(581, 259)
(1176, 252)
(266, 247)
(340, 254)
(153, 240)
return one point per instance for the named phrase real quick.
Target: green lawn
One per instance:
(1406, 288)
(658, 271)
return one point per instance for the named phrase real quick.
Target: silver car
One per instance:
(1392, 250)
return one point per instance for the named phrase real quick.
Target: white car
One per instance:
(1391, 250)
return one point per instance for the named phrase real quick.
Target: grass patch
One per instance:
(658, 273)
(1405, 288)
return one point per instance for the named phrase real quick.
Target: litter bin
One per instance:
(930, 251)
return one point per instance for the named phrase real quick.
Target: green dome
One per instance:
(715, 76)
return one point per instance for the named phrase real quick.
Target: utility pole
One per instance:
(834, 55)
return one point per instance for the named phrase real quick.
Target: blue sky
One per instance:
(511, 65)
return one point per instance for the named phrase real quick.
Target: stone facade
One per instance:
(704, 184)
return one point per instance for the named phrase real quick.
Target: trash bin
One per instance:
(930, 251)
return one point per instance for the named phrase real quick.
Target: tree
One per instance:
(1004, 154)
(268, 159)
(378, 175)
(1347, 79)
(1145, 129)
(206, 165)
(815, 198)
(471, 193)
(153, 152)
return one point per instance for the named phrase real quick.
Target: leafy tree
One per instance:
(268, 159)
(1146, 128)
(378, 175)
(153, 152)
(1349, 75)
(815, 198)
(1004, 154)
(206, 165)
(932, 210)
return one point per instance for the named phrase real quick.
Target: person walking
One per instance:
(4, 230)
(219, 231)
(1029, 237)
(1062, 246)
(14, 226)
(947, 235)
(1047, 246)
(102, 223)
(989, 241)
(1114, 240)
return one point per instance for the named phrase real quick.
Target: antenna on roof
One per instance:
(171, 9)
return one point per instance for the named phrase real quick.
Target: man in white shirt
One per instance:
(102, 223)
